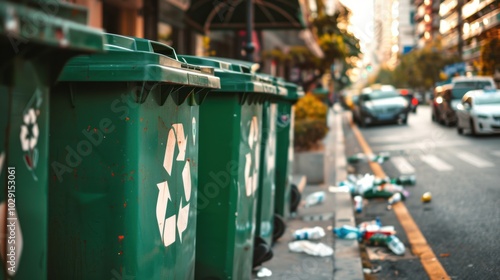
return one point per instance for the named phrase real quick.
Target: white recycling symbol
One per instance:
(179, 222)
(251, 179)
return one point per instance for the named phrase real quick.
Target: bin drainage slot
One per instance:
(181, 93)
(165, 91)
(72, 95)
(200, 94)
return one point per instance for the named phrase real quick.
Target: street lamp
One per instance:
(250, 47)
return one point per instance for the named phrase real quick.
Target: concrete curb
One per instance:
(347, 259)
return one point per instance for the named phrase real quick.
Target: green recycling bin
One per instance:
(231, 132)
(36, 39)
(268, 228)
(284, 148)
(124, 163)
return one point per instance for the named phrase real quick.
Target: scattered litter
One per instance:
(358, 204)
(356, 158)
(329, 228)
(373, 270)
(309, 233)
(444, 255)
(395, 245)
(369, 186)
(360, 157)
(380, 158)
(395, 198)
(426, 197)
(310, 248)
(347, 232)
(264, 272)
(314, 198)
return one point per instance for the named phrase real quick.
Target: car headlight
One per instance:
(482, 116)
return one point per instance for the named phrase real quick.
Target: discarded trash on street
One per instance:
(395, 198)
(264, 272)
(403, 180)
(426, 197)
(378, 239)
(314, 199)
(347, 232)
(309, 233)
(356, 158)
(358, 204)
(372, 270)
(379, 158)
(395, 245)
(310, 248)
(369, 186)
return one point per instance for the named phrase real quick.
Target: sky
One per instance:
(362, 20)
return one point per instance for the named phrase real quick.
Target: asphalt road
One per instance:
(462, 223)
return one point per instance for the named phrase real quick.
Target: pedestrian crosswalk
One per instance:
(474, 160)
(436, 163)
(446, 163)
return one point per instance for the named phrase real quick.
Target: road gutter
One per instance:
(417, 240)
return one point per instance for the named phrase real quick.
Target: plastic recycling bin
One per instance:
(35, 44)
(268, 227)
(124, 163)
(231, 129)
(284, 148)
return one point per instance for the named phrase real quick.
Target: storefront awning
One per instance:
(207, 15)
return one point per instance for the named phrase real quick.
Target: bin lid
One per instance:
(49, 22)
(294, 91)
(235, 75)
(130, 59)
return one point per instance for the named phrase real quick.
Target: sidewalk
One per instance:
(336, 210)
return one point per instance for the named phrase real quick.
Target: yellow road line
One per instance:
(417, 240)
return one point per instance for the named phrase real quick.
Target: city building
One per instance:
(481, 22)
(427, 21)
(406, 22)
(383, 36)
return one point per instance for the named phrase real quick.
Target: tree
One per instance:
(334, 40)
(490, 57)
(421, 68)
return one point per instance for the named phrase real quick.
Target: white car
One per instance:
(479, 112)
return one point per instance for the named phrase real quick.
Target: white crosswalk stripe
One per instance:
(403, 166)
(474, 160)
(436, 163)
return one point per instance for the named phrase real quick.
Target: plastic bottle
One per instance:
(314, 198)
(395, 245)
(356, 158)
(347, 232)
(358, 203)
(408, 180)
(394, 198)
(309, 233)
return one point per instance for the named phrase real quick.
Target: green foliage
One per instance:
(490, 57)
(420, 68)
(310, 122)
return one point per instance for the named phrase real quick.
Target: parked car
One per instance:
(412, 99)
(447, 97)
(380, 104)
(479, 112)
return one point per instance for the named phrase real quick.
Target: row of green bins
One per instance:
(36, 39)
(124, 163)
(284, 150)
(231, 129)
